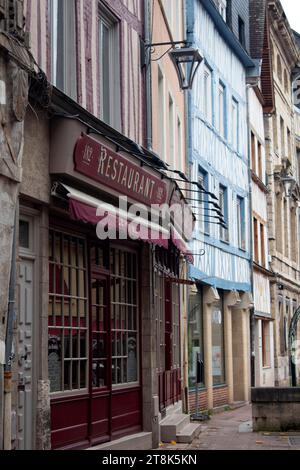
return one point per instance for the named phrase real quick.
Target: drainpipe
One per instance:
(252, 310)
(148, 77)
(186, 289)
(1, 405)
(8, 345)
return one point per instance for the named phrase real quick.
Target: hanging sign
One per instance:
(100, 163)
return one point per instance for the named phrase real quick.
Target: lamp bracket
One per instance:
(170, 43)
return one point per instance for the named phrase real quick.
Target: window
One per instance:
(256, 240)
(218, 349)
(159, 302)
(180, 163)
(275, 133)
(203, 202)
(235, 123)
(24, 234)
(260, 161)
(195, 334)
(241, 223)
(266, 353)
(223, 202)
(222, 4)
(282, 135)
(161, 115)
(279, 68)
(124, 317)
(294, 248)
(222, 98)
(109, 68)
(279, 231)
(253, 152)
(289, 143)
(173, 15)
(286, 222)
(286, 82)
(68, 313)
(171, 132)
(176, 347)
(282, 326)
(262, 245)
(207, 90)
(242, 34)
(63, 46)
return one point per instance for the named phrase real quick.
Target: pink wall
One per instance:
(130, 14)
(165, 30)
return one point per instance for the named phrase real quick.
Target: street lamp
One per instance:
(186, 60)
(288, 183)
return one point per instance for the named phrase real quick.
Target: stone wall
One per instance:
(276, 409)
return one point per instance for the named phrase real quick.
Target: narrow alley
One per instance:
(232, 430)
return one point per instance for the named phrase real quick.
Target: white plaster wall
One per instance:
(262, 299)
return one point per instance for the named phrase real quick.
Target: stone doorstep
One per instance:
(172, 425)
(174, 409)
(189, 433)
(140, 441)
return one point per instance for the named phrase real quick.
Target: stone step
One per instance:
(188, 433)
(172, 425)
(171, 410)
(139, 441)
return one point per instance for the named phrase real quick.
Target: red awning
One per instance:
(85, 208)
(113, 222)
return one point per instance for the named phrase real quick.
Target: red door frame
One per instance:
(99, 274)
(170, 379)
(64, 409)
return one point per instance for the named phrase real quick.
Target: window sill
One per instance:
(215, 387)
(200, 389)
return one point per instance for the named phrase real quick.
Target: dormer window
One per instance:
(222, 7)
(242, 32)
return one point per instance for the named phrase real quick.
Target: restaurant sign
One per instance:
(100, 163)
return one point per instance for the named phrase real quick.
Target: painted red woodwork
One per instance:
(169, 388)
(105, 413)
(169, 381)
(168, 326)
(100, 163)
(69, 421)
(81, 422)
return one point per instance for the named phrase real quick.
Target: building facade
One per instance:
(219, 314)
(282, 199)
(263, 336)
(264, 333)
(98, 348)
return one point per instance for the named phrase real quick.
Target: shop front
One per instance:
(219, 334)
(110, 298)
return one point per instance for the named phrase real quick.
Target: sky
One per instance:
(292, 10)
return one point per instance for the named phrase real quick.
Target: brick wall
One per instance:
(220, 398)
(202, 400)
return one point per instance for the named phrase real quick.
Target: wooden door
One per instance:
(100, 360)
